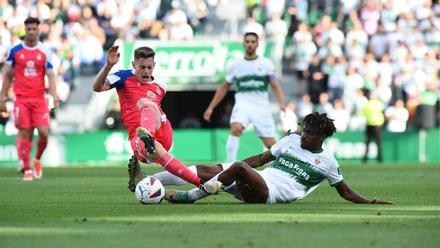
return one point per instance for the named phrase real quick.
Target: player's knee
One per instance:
(144, 102)
(269, 143)
(25, 133)
(236, 131)
(240, 166)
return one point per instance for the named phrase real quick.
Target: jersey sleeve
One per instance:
(117, 79)
(230, 73)
(271, 71)
(49, 55)
(10, 57)
(334, 176)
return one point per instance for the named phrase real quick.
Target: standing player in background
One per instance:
(140, 96)
(26, 65)
(252, 74)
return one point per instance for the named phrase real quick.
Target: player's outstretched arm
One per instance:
(218, 97)
(278, 91)
(101, 83)
(7, 80)
(260, 159)
(350, 195)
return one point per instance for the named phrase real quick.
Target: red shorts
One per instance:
(164, 136)
(31, 113)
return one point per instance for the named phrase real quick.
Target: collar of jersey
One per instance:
(30, 48)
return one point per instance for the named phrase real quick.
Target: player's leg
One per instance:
(238, 121)
(367, 143)
(150, 115)
(250, 184)
(268, 141)
(136, 174)
(162, 157)
(43, 132)
(264, 127)
(40, 118)
(22, 113)
(378, 138)
(24, 148)
(233, 142)
(239, 176)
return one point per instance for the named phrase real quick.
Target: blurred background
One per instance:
(329, 55)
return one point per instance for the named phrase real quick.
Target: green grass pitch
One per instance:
(91, 207)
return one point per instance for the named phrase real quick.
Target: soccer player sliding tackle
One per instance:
(299, 165)
(140, 96)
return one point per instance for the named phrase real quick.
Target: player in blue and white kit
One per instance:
(299, 165)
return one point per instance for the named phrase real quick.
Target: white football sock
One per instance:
(198, 193)
(167, 178)
(232, 145)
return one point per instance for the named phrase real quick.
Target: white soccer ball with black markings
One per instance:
(149, 191)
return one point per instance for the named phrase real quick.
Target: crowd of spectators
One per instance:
(80, 31)
(341, 51)
(345, 51)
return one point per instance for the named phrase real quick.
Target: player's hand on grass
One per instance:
(207, 114)
(378, 201)
(113, 55)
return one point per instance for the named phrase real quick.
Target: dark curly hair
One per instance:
(321, 123)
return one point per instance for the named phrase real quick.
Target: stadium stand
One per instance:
(333, 51)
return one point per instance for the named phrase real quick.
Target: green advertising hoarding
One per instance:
(110, 148)
(191, 62)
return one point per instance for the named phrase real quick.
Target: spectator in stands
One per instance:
(397, 117)
(370, 16)
(426, 113)
(89, 51)
(324, 105)
(252, 26)
(289, 120)
(305, 107)
(276, 31)
(340, 115)
(336, 79)
(315, 84)
(304, 50)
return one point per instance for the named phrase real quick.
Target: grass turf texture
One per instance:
(91, 207)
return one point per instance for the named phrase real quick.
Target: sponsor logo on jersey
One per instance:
(317, 160)
(151, 95)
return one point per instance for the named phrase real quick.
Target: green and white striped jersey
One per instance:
(252, 78)
(305, 167)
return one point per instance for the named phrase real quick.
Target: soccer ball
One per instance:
(149, 191)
